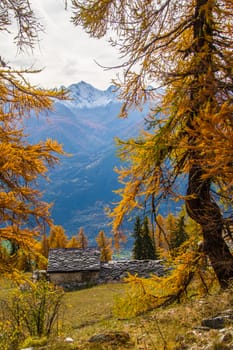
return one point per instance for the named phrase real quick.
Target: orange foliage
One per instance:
(105, 246)
(23, 214)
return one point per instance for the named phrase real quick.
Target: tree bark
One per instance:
(201, 208)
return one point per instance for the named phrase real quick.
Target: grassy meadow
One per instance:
(89, 312)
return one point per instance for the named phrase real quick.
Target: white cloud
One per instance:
(66, 53)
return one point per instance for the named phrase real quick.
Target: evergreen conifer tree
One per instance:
(148, 247)
(179, 234)
(137, 234)
(143, 248)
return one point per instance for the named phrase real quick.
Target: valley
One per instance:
(82, 185)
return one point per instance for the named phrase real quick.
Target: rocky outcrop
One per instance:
(213, 333)
(111, 338)
(220, 321)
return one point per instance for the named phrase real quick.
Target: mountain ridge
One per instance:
(82, 185)
(84, 95)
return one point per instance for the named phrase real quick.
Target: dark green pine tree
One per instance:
(178, 235)
(137, 234)
(148, 247)
(143, 247)
(14, 247)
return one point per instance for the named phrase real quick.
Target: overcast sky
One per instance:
(66, 53)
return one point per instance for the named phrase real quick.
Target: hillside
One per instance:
(90, 324)
(177, 327)
(82, 185)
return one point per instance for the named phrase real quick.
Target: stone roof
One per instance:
(73, 260)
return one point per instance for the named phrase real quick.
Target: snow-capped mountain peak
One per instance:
(84, 95)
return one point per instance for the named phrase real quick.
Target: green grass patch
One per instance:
(88, 312)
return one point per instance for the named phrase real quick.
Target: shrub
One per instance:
(30, 312)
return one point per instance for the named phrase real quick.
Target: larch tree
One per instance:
(24, 261)
(57, 237)
(82, 239)
(73, 243)
(23, 214)
(186, 47)
(171, 231)
(44, 246)
(169, 226)
(105, 246)
(161, 238)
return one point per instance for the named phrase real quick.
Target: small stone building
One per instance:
(73, 268)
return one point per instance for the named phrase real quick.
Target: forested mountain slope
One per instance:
(82, 185)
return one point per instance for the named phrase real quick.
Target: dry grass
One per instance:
(89, 312)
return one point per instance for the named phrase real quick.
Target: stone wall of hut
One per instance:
(108, 272)
(117, 270)
(74, 280)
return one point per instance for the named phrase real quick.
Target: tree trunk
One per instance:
(200, 206)
(206, 212)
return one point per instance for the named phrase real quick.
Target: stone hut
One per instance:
(73, 268)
